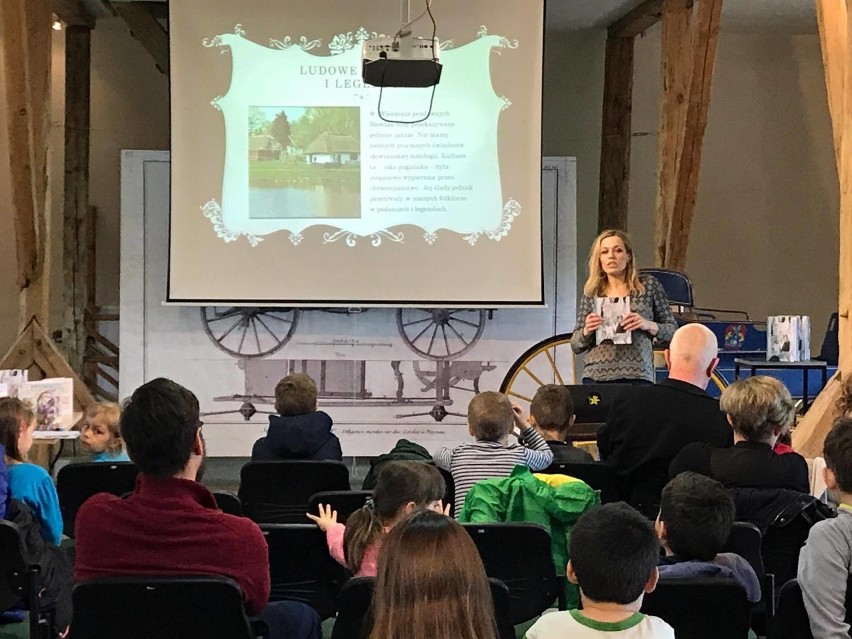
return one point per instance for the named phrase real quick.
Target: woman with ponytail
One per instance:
(402, 488)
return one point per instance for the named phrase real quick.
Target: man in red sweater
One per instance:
(171, 524)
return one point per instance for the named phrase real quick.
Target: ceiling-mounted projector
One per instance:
(401, 62)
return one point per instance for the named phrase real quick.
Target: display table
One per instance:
(804, 367)
(45, 441)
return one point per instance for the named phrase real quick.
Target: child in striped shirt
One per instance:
(491, 418)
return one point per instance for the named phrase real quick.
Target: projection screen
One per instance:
(295, 183)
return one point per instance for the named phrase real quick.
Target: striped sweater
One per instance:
(472, 462)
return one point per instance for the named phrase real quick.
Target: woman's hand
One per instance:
(635, 322)
(326, 519)
(593, 322)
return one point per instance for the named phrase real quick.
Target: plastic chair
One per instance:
(228, 503)
(19, 582)
(791, 622)
(745, 540)
(529, 575)
(678, 289)
(277, 492)
(355, 614)
(75, 483)
(598, 475)
(701, 608)
(450, 490)
(141, 607)
(300, 567)
(345, 502)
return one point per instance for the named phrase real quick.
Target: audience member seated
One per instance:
(825, 563)
(695, 521)
(431, 583)
(648, 426)
(100, 434)
(759, 409)
(299, 430)
(614, 553)
(403, 450)
(551, 414)
(170, 524)
(55, 571)
(29, 483)
(491, 419)
(402, 488)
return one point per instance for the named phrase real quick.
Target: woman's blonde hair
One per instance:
(757, 405)
(112, 412)
(431, 583)
(596, 284)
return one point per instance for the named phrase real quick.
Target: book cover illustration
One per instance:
(613, 310)
(788, 338)
(52, 401)
(11, 380)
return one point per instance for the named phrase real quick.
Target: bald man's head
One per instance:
(692, 353)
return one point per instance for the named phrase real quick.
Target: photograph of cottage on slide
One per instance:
(304, 162)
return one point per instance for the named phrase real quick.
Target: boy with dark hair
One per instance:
(491, 417)
(695, 521)
(825, 561)
(614, 561)
(299, 431)
(551, 414)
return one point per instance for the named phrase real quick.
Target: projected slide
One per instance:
(299, 154)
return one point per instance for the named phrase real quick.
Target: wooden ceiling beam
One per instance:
(639, 20)
(147, 30)
(835, 27)
(73, 13)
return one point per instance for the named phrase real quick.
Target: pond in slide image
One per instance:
(310, 201)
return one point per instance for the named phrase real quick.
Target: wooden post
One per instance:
(26, 32)
(76, 206)
(616, 134)
(677, 73)
(835, 25)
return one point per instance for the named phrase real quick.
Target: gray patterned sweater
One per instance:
(608, 361)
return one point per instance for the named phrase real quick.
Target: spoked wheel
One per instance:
(440, 333)
(249, 332)
(551, 361)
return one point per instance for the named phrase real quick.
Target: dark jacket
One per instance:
(648, 426)
(744, 465)
(404, 450)
(725, 564)
(567, 452)
(307, 437)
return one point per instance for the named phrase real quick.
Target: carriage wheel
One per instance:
(440, 333)
(249, 332)
(551, 361)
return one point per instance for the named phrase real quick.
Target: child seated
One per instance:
(695, 520)
(614, 560)
(825, 560)
(299, 431)
(28, 483)
(402, 487)
(491, 418)
(100, 434)
(551, 414)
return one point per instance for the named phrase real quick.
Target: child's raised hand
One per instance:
(446, 509)
(520, 421)
(326, 519)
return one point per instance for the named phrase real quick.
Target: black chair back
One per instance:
(189, 607)
(599, 475)
(345, 502)
(529, 575)
(228, 503)
(355, 613)
(745, 540)
(791, 622)
(19, 582)
(701, 608)
(781, 546)
(301, 568)
(449, 490)
(277, 492)
(75, 483)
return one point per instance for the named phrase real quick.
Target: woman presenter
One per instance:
(620, 314)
